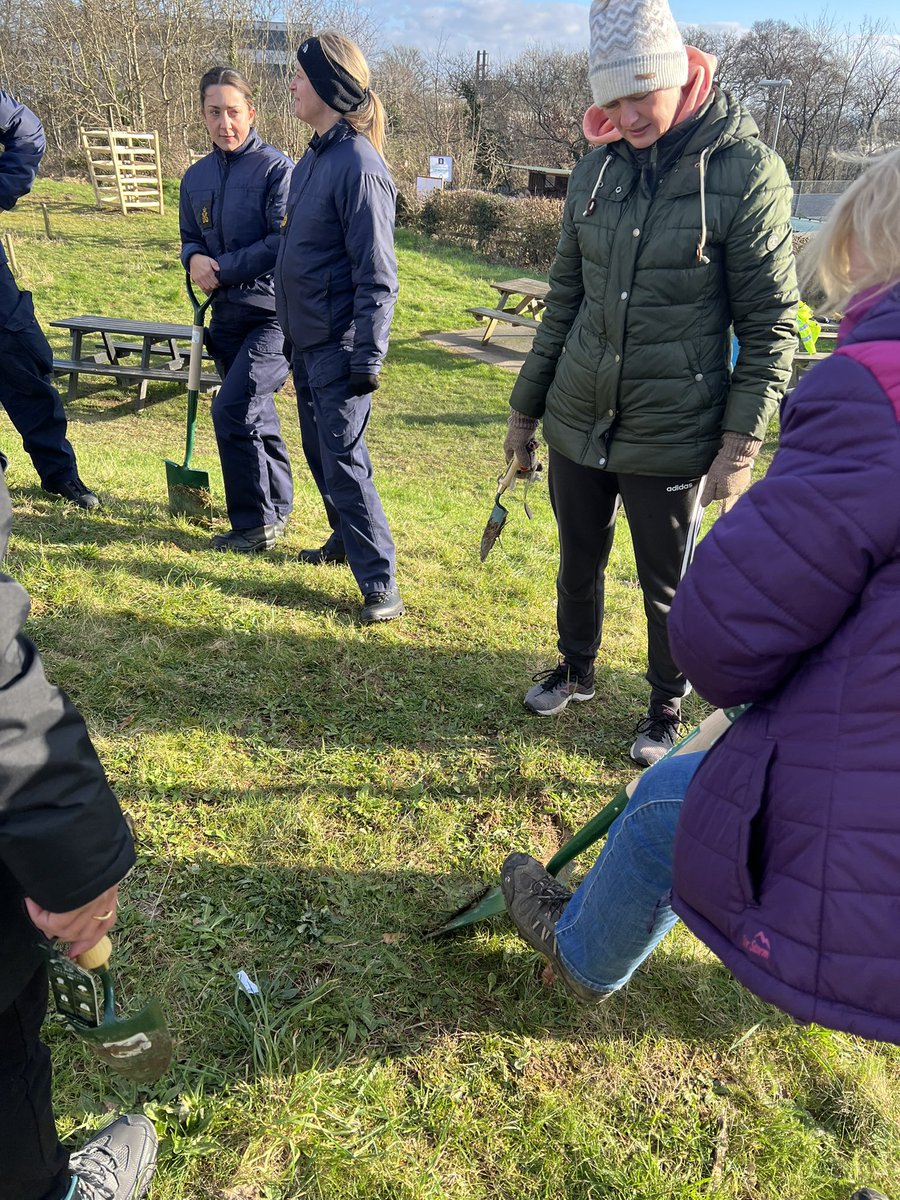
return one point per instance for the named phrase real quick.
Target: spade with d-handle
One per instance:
(189, 493)
(491, 902)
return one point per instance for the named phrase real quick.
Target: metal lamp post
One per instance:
(784, 84)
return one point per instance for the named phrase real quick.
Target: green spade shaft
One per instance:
(701, 738)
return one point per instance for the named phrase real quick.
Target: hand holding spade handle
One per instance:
(521, 441)
(82, 927)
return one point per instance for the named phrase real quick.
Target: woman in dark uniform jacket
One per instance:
(232, 205)
(336, 284)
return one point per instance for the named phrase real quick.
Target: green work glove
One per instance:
(521, 441)
(732, 468)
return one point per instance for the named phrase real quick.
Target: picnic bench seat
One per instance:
(175, 359)
(162, 359)
(67, 366)
(493, 315)
(531, 295)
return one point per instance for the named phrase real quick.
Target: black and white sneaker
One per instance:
(117, 1163)
(555, 688)
(656, 733)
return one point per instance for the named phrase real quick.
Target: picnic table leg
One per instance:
(489, 331)
(109, 347)
(72, 389)
(141, 397)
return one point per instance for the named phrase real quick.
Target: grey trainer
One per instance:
(117, 1163)
(535, 902)
(554, 689)
(656, 733)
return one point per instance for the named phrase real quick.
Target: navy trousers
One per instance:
(247, 347)
(27, 393)
(33, 1163)
(332, 428)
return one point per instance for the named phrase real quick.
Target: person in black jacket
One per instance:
(335, 286)
(231, 207)
(27, 393)
(64, 847)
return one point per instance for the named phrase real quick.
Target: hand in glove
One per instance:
(521, 441)
(732, 468)
(362, 383)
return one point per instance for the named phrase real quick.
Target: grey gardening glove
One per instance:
(732, 468)
(521, 441)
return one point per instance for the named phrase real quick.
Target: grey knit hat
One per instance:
(635, 48)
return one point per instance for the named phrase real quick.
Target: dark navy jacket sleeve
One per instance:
(367, 215)
(777, 575)
(191, 235)
(63, 838)
(22, 136)
(247, 263)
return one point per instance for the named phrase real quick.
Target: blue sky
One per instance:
(504, 27)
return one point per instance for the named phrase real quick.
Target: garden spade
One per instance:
(188, 488)
(491, 902)
(498, 516)
(138, 1047)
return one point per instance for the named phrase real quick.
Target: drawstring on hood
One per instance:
(592, 203)
(702, 259)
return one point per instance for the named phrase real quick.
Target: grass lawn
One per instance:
(312, 797)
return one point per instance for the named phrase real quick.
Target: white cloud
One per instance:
(501, 27)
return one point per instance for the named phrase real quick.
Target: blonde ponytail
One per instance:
(369, 119)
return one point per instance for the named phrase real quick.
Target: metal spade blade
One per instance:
(138, 1047)
(498, 516)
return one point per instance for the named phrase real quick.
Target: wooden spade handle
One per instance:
(97, 956)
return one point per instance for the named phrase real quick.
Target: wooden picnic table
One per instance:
(157, 342)
(521, 301)
(803, 361)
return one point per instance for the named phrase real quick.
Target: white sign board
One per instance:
(441, 166)
(426, 184)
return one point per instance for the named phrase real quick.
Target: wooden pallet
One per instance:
(125, 169)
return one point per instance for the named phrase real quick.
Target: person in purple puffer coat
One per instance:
(786, 833)
(787, 856)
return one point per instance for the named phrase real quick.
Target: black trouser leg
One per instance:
(32, 403)
(585, 501)
(664, 520)
(33, 1162)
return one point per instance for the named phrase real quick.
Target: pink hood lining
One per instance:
(600, 131)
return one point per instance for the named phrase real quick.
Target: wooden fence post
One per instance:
(10, 253)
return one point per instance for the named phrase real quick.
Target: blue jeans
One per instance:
(622, 910)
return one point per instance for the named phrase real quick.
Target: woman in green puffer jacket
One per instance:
(676, 229)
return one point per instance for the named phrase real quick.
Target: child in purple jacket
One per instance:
(786, 835)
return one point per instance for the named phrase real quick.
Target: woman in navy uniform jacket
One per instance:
(336, 284)
(232, 205)
(32, 403)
